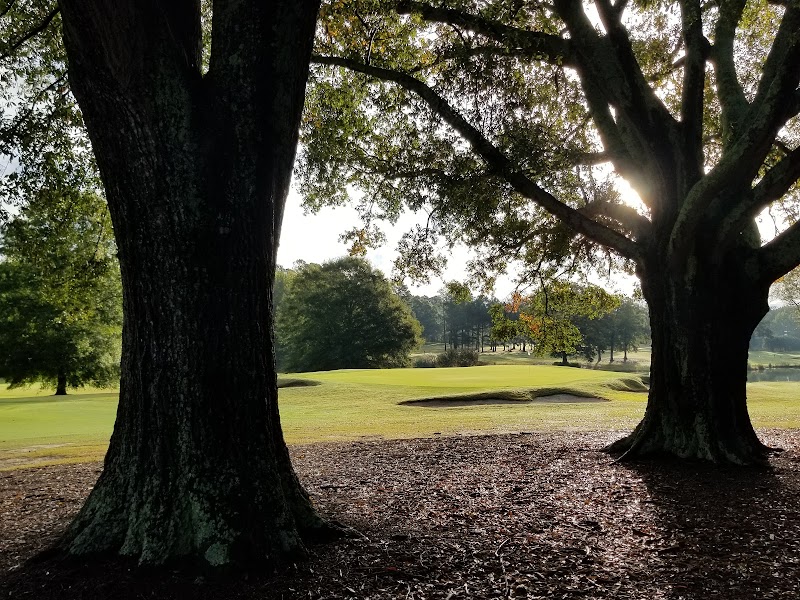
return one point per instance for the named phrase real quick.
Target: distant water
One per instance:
(774, 375)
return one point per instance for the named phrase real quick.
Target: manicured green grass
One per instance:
(38, 428)
(764, 358)
(364, 404)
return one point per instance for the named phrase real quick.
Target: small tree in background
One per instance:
(60, 293)
(630, 325)
(550, 314)
(343, 314)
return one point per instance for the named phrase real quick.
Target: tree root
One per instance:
(649, 442)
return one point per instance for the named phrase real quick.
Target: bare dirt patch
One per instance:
(510, 516)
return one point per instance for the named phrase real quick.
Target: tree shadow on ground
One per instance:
(724, 532)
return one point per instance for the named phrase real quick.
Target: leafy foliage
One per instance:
(60, 296)
(433, 106)
(550, 316)
(458, 358)
(42, 138)
(343, 314)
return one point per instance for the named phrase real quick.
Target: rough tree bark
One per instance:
(701, 324)
(196, 169)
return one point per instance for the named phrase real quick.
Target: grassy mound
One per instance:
(630, 384)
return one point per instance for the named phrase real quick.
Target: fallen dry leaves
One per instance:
(511, 516)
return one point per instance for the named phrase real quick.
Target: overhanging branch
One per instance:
(779, 256)
(745, 154)
(551, 48)
(12, 47)
(494, 157)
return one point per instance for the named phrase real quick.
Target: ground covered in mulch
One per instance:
(519, 516)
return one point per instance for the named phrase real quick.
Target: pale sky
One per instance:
(314, 238)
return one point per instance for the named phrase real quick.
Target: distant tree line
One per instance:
(778, 331)
(337, 315)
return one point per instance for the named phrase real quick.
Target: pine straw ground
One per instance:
(529, 515)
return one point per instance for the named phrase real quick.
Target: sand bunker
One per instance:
(467, 401)
(296, 382)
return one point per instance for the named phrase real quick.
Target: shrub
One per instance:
(425, 362)
(458, 358)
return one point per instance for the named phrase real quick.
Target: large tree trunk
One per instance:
(61, 384)
(196, 170)
(697, 405)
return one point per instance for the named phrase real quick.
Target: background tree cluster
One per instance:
(567, 319)
(453, 317)
(342, 314)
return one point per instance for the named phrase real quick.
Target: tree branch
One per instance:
(12, 47)
(551, 48)
(745, 154)
(780, 255)
(487, 50)
(731, 96)
(611, 77)
(626, 216)
(775, 183)
(694, 77)
(793, 106)
(495, 158)
(646, 110)
(593, 158)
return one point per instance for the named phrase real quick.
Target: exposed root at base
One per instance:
(327, 531)
(641, 445)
